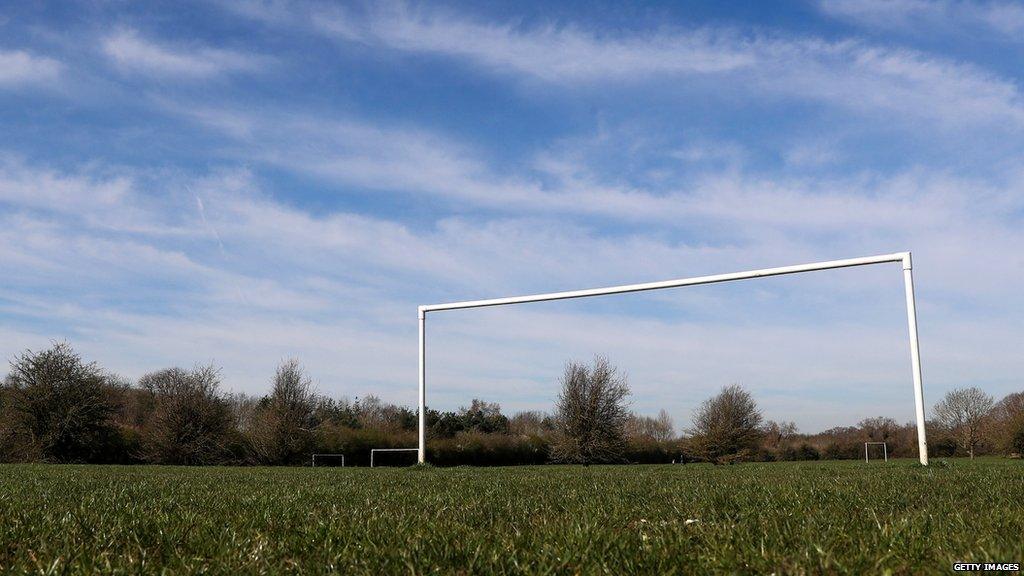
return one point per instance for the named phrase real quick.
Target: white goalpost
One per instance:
(373, 452)
(901, 257)
(322, 456)
(885, 450)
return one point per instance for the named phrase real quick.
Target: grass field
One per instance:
(846, 517)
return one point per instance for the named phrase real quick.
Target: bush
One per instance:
(803, 452)
(283, 423)
(191, 423)
(356, 443)
(1017, 440)
(59, 407)
(479, 449)
(727, 426)
(650, 451)
(591, 415)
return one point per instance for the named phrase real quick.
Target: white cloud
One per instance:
(392, 159)
(132, 52)
(558, 54)
(931, 16)
(854, 75)
(20, 68)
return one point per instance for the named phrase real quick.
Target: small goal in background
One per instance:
(885, 450)
(374, 462)
(328, 460)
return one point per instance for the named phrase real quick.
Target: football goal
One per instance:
(374, 451)
(885, 450)
(900, 257)
(328, 460)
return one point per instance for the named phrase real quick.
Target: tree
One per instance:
(878, 429)
(59, 405)
(660, 429)
(190, 422)
(726, 426)
(591, 413)
(484, 417)
(964, 411)
(531, 423)
(778, 434)
(292, 405)
(1008, 423)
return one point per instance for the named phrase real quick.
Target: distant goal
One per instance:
(885, 450)
(323, 460)
(375, 461)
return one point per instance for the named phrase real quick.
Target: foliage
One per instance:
(180, 416)
(591, 414)
(287, 418)
(1007, 423)
(59, 405)
(660, 429)
(727, 427)
(782, 518)
(191, 423)
(964, 411)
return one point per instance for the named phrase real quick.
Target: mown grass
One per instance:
(844, 517)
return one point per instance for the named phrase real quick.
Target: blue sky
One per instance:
(240, 183)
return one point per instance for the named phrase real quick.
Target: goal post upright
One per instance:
(902, 257)
(915, 356)
(422, 450)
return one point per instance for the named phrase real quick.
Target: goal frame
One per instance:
(901, 257)
(885, 450)
(373, 452)
(319, 454)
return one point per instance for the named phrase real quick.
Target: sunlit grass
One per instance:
(846, 517)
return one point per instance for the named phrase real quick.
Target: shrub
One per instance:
(190, 423)
(727, 426)
(283, 424)
(591, 414)
(59, 406)
(480, 449)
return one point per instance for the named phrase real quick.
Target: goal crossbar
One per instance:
(902, 257)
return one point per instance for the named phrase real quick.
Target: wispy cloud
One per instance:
(851, 74)
(131, 51)
(930, 16)
(557, 54)
(21, 68)
(415, 162)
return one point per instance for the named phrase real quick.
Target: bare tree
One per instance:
(591, 414)
(530, 423)
(660, 429)
(727, 426)
(190, 423)
(778, 434)
(964, 411)
(878, 429)
(59, 405)
(1008, 421)
(292, 405)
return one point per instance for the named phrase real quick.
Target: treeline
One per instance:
(56, 407)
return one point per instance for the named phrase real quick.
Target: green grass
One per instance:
(833, 517)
